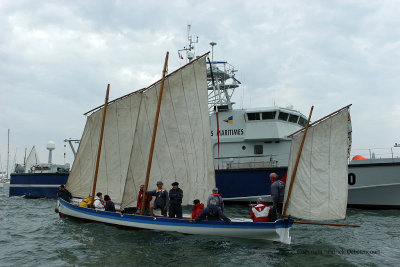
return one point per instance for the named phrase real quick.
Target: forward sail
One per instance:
(320, 186)
(180, 154)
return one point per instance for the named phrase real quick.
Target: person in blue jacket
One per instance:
(213, 213)
(161, 201)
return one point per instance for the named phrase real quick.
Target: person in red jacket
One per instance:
(260, 212)
(197, 208)
(139, 201)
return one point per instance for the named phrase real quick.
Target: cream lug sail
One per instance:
(320, 186)
(183, 144)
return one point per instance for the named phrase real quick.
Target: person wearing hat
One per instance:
(260, 212)
(175, 201)
(217, 197)
(64, 193)
(161, 201)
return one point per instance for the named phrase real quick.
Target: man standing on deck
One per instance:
(175, 201)
(277, 192)
(161, 201)
(217, 197)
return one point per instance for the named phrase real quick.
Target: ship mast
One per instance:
(221, 90)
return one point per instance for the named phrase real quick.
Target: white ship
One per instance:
(249, 144)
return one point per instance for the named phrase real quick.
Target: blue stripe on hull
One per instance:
(287, 223)
(51, 179)
(245, 183)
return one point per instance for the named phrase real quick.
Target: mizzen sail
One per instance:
(320, 186)
(183, 144)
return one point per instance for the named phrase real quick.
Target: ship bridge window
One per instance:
(283, 116)
(258, 149)
(293, 118)
(268, 115)
(253, 116)
(302, 121)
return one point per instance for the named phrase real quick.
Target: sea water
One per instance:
(32, 234)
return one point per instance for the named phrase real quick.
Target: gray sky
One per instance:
(56, 58)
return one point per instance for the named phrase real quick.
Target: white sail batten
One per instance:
(320, 187)
(31, 160)
(182, 149)
(180, 154)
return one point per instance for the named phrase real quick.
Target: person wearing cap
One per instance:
(175, 201)
(217, 197)
(162, 200)
(64, 193)
(260, 212)
(213, 213)
(139, 201)
(277, 192)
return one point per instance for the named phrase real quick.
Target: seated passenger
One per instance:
(64, 193)
(260, 212)
(109, 204)
(98, 201)
(217, 197)
(86, 202)
(212, 213)
(197, 208)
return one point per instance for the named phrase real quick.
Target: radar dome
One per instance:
(51, 145)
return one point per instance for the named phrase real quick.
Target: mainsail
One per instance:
(183, 145)
(320, 186)
(31, 160)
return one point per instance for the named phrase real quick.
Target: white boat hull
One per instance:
(272, 231)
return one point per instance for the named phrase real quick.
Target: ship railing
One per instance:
(248, 162)
(376, 153)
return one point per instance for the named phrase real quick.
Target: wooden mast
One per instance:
(100, 143)
(297, 164)
(153, 139)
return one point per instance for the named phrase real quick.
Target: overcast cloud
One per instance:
(56, 58)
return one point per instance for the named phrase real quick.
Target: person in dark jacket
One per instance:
(217, 197)
(197, 208)
(161, 201)
(109, 204)
(64, 193)
(175, 201)
(212, 213)
(277, 192)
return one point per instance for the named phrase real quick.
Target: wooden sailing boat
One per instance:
(117, 165)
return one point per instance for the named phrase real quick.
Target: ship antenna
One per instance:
(190, 45)
(212, 50)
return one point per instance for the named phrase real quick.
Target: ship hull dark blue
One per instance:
(36, 185)
(243, 183)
